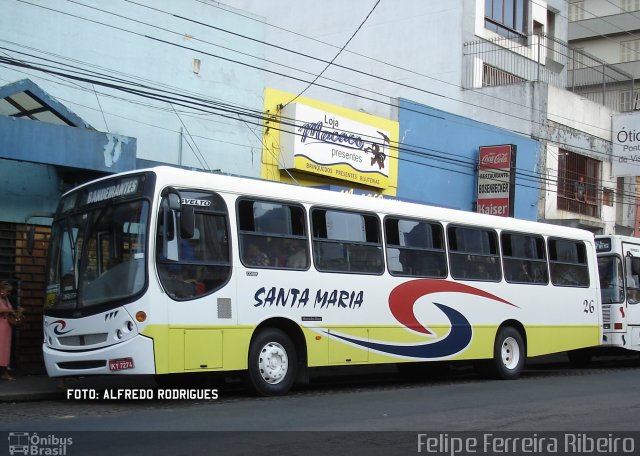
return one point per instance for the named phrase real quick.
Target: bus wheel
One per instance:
(272, 363)
(508, 356)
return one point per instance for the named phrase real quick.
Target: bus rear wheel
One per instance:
(508, 356)
(272, 363)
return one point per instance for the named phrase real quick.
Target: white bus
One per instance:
(619, 268)
(167, 271)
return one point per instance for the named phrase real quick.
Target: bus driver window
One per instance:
(195, 266)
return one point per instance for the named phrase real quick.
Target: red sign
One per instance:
(496, 179)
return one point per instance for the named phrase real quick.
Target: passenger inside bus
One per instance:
(254, 256)
(296, 256)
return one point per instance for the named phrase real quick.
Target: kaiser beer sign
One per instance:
(496, 180)
(323, 143)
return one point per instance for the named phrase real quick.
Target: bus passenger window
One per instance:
(346, 242)
(568, 263)
(473, 254)
(415, 248)
(272, 235)
(524, 258)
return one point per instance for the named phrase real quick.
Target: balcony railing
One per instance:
(545, 59)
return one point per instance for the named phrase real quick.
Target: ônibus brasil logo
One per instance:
(32, 443)
(401, 303)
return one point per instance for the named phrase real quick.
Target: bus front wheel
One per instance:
(272, 363)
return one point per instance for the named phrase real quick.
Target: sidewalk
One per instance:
(30, 388)
(42, 388)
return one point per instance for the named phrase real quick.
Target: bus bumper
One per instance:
(135, 356)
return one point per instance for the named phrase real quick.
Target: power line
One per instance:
(355, 70)
(468, 162)
(273, 72)
(387, 64)
(335, 57)
(241, 63)
(203, 106)
(198, 155)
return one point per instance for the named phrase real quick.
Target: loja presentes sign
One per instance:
(496, 180)
(319, 142)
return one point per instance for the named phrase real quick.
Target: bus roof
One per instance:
(259, 188)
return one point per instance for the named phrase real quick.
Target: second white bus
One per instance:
(619, 269)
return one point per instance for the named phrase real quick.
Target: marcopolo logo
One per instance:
(30, 443)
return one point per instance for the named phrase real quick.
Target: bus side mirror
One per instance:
(187, 222)
(635, 266)
(172, 198)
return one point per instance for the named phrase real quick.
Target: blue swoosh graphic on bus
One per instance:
(458, 339)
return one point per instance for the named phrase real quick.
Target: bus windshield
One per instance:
(611, 279)
(97, 256)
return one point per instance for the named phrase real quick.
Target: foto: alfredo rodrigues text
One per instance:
(143, 394)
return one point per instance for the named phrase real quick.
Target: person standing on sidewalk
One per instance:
(6, 309)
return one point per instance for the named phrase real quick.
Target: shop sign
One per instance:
(322, 143)
(496, 180)
(625, 132)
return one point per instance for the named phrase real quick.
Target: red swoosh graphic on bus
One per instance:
(403, 298)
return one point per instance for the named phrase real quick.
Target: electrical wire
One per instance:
(117, 27)
(334, 57)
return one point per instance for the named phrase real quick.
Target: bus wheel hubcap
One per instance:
(510, 353)
(273, 363)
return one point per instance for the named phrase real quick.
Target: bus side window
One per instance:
(346, 242)
(568, 263)
(473, 254)
(201, 264)
(272, 235)
(415, 248)
(525, 259)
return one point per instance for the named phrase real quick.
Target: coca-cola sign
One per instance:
(496, 180)
(495, 159)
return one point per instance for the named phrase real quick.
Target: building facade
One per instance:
(606, 35)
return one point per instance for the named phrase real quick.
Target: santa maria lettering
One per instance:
(296, 298)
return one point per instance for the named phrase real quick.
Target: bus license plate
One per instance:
(120, 364)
